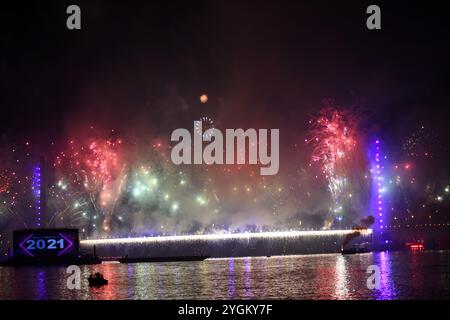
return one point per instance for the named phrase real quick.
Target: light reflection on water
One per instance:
(341, 291)
(403, 275)
(387, 290)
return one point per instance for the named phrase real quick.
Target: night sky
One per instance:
(139, 67)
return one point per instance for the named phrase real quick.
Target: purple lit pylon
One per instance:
(38, 191)
(377, 162)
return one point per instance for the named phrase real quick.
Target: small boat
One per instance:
(97, 279)
(360, 248)
(355, 250)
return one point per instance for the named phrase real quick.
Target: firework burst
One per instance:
(5, 181)
(15, 180)
(203, 125)
(90, 170)
(334, 134)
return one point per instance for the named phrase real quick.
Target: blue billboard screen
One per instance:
(46, 243)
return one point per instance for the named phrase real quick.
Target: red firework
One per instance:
(92, 164)
(334, 135)
(5, 181)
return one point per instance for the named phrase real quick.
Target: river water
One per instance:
(403, 275)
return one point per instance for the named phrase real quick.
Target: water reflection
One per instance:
(387, 290)
(160, 275)
(333, 276)
(110, 292)
(231, 288)
(130, 273)
(341, 291)
(41, 288)
(248, 269)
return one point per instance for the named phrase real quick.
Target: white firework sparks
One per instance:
(206, 124)
(226, 236)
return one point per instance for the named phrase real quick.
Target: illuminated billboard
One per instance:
(46, 243)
